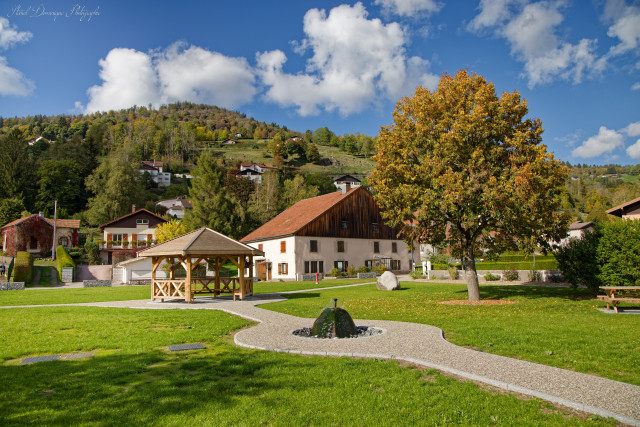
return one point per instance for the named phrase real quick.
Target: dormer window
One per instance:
(142, 221)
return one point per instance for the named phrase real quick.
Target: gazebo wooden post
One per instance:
(187, 282)
(154, 267)
(217, 282)
(241, 274)
(251, 273)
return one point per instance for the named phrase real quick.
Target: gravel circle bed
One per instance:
(481, 302)
(363, 332)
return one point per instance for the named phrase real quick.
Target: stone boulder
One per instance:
(388, 282)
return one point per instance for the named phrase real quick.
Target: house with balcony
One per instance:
(335, 230)
(128, 233)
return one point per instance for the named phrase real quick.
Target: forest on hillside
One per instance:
(90, 164)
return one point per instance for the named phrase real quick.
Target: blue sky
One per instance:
(339, 64)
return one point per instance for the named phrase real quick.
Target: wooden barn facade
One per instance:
(337, 230)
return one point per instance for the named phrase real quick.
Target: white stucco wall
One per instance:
(356, 252)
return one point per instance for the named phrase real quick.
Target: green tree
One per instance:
(213, 206)
(60, 180)
(10, 210)
(296, 189)
(116, 185)
(619, 253)
(264, 201)
(16, 167)
(461, 162)
(312, 154)
(578, 260)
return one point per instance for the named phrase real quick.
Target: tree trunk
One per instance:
(469, 263)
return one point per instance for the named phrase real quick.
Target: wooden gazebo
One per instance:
(203, 247)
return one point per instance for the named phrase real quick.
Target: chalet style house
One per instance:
(34, 234)
(628, 210)
(346, 180)
(336, 230)
(129, 232)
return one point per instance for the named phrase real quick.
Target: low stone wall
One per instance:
(96, 283)
(370, 275)
(11, 286)
(546, 276)
(67, 274)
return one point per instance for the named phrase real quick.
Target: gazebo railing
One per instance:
(168, 289)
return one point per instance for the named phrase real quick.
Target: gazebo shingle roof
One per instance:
(200, 242)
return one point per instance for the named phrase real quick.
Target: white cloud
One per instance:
(634, 150)
(12, 81)
(178, 73)
(625, 25)
(199, 75)
(354, 61)
(128, 79)
(409, 7)
(10, 36)
(635, 86)
(633, 129)
(605, 141)
(530, 30)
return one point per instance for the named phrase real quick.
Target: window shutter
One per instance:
(109, 238)
(149, 237)
(283, 246)
(134, 237)
(124, 237)
(279, 268)
(321, 267)
(306, 267)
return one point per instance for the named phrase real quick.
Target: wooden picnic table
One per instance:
(617, 294)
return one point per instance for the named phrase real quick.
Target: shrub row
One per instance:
(23, 267)
(63, 259)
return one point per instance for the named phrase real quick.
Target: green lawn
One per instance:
(124, 293)
(133, 380)
(552, 326)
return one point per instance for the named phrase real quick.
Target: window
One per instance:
(314, 246)
(142, 221)
(341, 265)
(117, 237)
(283, 247)
(283, 269)
(340, 245)
(313, 267)
(395, 264)
(260, 247)
(394, 247)
(344, 225)
(374, 227)
(376, 247)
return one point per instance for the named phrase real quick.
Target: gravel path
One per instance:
(422, 345)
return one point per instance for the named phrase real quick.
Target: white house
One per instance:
(154, 168)
(175, 206)
(336, 230)
(346, 180)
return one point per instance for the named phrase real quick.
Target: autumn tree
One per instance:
(469, 171)
(170, 230)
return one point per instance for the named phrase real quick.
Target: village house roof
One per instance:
(153, 163)
(579, 225)
(61, 223)
(204, 241)
(176, 201)
(147, 167)
(347, 178)
(107, 224)
(298, 215)
(625, 208)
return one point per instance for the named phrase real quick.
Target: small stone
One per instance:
(388, 282)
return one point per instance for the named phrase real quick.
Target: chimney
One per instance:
(346, 188)
(133, 208)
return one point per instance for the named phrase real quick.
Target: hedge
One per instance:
(63, 259)
(23, 267)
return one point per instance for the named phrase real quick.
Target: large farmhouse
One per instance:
(336, 230)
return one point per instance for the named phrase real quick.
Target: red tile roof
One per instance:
(298, 215)
(64, 223)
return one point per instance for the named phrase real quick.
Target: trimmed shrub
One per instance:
(364, 269)
(491, 277)
(10, 269)
(380, 269)
(23, 267)
(619, 253)
(93, 252)
(578, 262)
(335, 272)
(63, 259)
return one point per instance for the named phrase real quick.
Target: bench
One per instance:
(617, 294)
